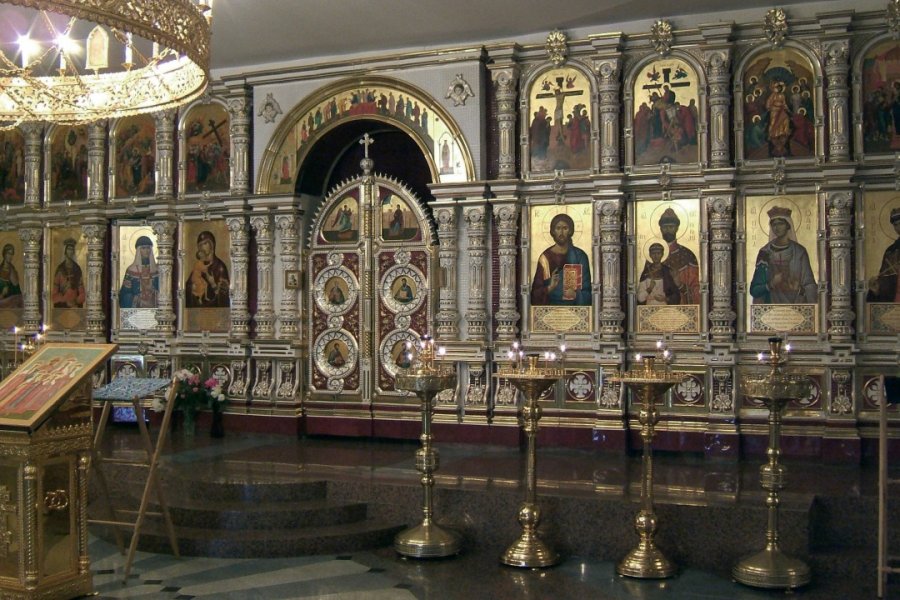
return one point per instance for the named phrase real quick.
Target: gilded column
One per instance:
(239, 109)
(840, 243)
(506, 217)
(31, 262)
(84, 467)
(838, 94)
(718, 70)
(505, 80)
(265, 313)
(476, 313)
(165, 154)
(96, 162)
(32, 132)
(165, 260)
(29, 537)
(721, 220)
(93, 303)
(288, 314)
(448, 305)
(611, 314)
(610, 107)
(240, 316)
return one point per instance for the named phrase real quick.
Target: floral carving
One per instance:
(776, 27)
(557, 47)
(661, 37)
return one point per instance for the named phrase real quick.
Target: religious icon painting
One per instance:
(11, 270)
(580, 386)
(667, 271)
(66, 279)
(135, 156)
(205, 274)
(881, 98)
(666, 113)
(559, 117)
(779, 106)
(782, 264)
(12, 167)
(881, 249)
(206, 150)
(396, 352)
(335, 354)
(398, 221)
(561, 258)
(68, 160)
(341, 224)
(402, 289)
(335, 290)
(136, 278)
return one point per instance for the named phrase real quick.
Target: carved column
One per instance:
(32, 132)
(165, 260)
(840, 243)
(31, 261)
(476, 227)
(838, 93)
(239, 110)
(505, 80)
(29, 496)
(288, 315)
(96, 320)
(165, 154)
(610, 106)
(718, 70)
(611, 315)
(448, 307)
(506, 218)
(265, 313)
(96, 162)
(240, 316)
(721, 219)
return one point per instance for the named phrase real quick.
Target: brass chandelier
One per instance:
(101, 59)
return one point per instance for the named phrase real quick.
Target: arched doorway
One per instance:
(369, 266)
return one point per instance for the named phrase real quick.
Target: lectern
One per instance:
(45, 449)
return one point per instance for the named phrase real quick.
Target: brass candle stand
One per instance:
(770, 567)
(529, 550)
(646, 561)
(426, 379)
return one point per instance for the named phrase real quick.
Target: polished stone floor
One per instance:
(476, 573)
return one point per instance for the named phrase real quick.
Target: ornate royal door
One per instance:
(368, 280)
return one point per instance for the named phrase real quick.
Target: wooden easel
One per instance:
(151, 486)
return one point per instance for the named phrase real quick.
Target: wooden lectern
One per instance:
(45, 450)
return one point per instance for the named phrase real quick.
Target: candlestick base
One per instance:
(772, 569)
(531, 552)
(427, 540)
(645, 561)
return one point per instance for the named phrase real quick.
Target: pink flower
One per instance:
(211, 383)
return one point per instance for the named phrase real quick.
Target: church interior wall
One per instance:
(790, 127)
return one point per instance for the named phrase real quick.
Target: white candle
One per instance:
(128, 49)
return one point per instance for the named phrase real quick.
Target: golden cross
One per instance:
(366, 141)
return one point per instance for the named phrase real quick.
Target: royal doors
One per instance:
(369, 282)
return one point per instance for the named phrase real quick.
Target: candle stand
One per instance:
(529, 550)
(426, 379)
(770, 567)
(646, 561)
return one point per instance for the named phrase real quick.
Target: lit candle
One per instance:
(760, 357)
(659, 344)
(15, 345)
(787, 347)
(442, 350)
(128, 49)
(637, 357)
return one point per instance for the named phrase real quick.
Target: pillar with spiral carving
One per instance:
(239, 129)
(476, 227)
(505, 80)
(165, 244)
(31, 262)
(506, 217)
(447, 317)
(165, 154)
(840, 245)
(719, 72)
(96, 149)
(288, 313)
(611, 314)
(240, 315)
(838, 94)
(265, 313)
(95, 234)
(720, 209)
(32, 156)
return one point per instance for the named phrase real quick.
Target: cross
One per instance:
(558, 93)
(366, 141)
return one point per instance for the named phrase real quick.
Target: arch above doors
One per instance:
(375, 98)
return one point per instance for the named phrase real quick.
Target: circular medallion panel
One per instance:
(403, 289)
(335, 290)
(335, 353)
(393, 352)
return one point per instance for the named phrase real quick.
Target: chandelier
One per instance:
(76, 61)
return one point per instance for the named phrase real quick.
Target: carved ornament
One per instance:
(557, 47)
(661, 37)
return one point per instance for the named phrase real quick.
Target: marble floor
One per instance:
(476, 572)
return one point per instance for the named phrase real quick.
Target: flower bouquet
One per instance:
(193, 395)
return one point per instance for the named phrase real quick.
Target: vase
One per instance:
(189, 422)
(217, 430)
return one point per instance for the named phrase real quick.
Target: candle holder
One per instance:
(426, 379)
(770, 567)
(529, 550)
(646, 561)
